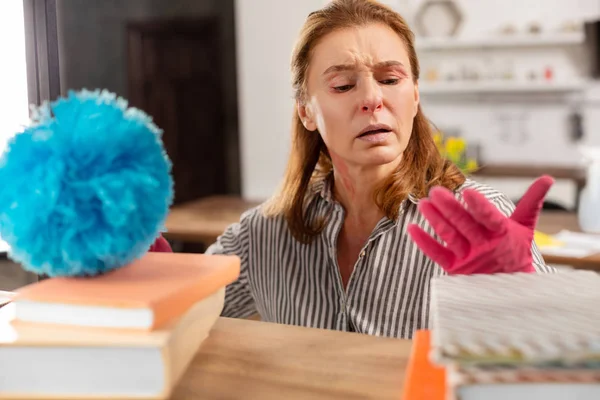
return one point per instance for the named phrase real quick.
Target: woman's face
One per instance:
(361, 96)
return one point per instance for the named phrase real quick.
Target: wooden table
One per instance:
(244, 359)
(552, 222)
(202, 221)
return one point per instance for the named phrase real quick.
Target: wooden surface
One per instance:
(555, 221)
(202, 221)
(244, 359)
(578, 175)
(205, 219)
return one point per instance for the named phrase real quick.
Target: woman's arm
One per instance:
(239, 302)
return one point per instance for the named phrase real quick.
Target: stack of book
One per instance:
(6, 297)
(511, 336)
(130, 333)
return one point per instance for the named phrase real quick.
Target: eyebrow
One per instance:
(349, 67)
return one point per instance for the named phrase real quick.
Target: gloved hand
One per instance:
(479, 238)
(161, 246)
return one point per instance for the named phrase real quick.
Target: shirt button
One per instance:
(362, 254)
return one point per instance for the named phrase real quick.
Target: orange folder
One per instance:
(424, 380)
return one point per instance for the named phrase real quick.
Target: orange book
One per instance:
(424, 380)
(147, 294)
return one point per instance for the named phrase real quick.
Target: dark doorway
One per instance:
(176, 74)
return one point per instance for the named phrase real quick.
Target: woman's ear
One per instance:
(417, 99)
(306, 116)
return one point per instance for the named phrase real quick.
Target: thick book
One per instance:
(523, 383)
(60, 362)
(6, 297)
(517, 319)
(145, 295)
(425, 380)
(518, 336)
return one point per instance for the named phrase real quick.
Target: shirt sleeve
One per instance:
(239, 302)
(160, 245)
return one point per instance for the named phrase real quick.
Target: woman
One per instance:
(332, 248)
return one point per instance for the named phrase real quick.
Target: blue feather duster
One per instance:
(85, 188)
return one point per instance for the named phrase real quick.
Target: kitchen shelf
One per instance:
(458, 87)
(506, 41)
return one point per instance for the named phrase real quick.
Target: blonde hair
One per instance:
(422, 166)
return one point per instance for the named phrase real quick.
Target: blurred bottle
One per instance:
(589, 203)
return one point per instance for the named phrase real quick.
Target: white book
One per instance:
(517, 318)
(524, 384)
(39, 361)
(538, 391)
(518, 336)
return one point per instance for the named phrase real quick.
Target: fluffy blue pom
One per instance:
(86, 188)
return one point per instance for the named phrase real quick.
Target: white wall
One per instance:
(14, 106)
(266, 30)
(265, 34)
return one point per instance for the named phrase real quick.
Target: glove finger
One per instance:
(457, 215)
(454, 240)
(531, 203)
(484, 211)
(428, 245)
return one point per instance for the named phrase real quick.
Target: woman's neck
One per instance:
(354, 188)
(355, 194)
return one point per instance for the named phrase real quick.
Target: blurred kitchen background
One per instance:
(516, 79)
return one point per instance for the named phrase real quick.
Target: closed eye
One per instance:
(343, 88)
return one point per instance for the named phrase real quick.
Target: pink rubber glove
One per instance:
(479, 238)
(161, 246)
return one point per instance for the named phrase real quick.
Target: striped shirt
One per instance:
(289, 282)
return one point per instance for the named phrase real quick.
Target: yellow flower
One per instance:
(454, 149)
(471, 165)
(455, 146)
